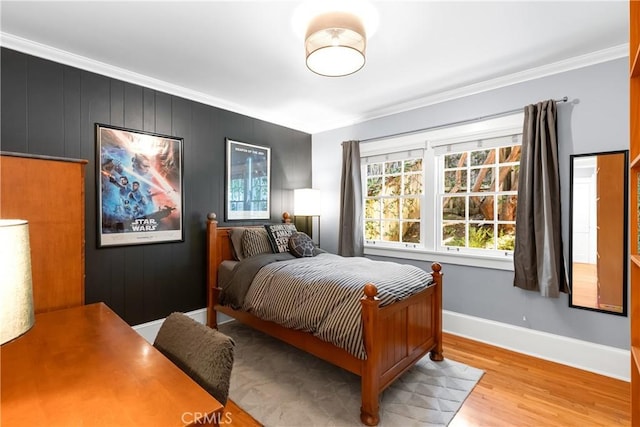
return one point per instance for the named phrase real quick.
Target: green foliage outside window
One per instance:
(392, 203)
(479, 198)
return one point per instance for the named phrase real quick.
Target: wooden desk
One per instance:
(84, 366)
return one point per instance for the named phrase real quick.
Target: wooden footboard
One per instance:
(395, 336)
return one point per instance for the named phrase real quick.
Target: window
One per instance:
(477, 197)
(449, 191)
(392, 200)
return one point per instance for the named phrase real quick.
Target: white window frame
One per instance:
(432, 142)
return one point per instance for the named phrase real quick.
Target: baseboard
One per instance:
(600, 359)
(149, 330)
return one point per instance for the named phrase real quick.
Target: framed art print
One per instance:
(248, 181)
(139, 187)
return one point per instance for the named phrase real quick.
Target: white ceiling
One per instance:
(245, 56)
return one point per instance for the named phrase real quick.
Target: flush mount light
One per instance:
(335, 44)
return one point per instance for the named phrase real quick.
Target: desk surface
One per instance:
(86, 366)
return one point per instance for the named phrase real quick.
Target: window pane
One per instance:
(391, 231)
(454, 208)
(510, 154)
(411, 208)
(411, 232)
(481, 208)
(391, 208)
(453, 234)
(456, 160)
(455, 181)
(392, 167)
(392, 185)
(374, 187)
(481, 236)
(372, 208)
(413, 184)
(483, 157)
(506, 237)
(374, 169)
(509, 178)
(372, 230)
(413, 165)
(507, 207)
(481, 179)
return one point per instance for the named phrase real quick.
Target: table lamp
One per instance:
(16, 292)
(306, 203)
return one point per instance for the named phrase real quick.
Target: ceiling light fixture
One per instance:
(335, 44)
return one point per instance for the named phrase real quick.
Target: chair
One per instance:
(204, 354)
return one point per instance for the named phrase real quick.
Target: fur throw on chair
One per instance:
(204, 354)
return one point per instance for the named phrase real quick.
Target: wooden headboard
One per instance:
(220, 248)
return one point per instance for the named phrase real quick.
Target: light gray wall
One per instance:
(596, 118)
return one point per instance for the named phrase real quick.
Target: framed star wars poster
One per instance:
(139, 187)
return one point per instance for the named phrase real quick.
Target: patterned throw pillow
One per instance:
(279, 236)
(255, 242)
(301, 245)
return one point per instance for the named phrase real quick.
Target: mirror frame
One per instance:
(625, 233)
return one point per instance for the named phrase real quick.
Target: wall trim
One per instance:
(149, 330)
(44, 51)
(600, 359)
(581, 61)
(20, 44)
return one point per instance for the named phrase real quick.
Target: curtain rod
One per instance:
(490, 116)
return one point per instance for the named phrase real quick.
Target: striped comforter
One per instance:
(321, 294)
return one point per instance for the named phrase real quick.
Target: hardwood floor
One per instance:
(585, 285)
(520, 390)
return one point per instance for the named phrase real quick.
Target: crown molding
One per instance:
(40, 50)
(593, 58)
(20, 44)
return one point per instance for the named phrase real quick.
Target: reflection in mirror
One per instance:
(598, 232)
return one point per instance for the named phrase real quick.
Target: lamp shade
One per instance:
(16, 294)
(306, 202)
(335, 44)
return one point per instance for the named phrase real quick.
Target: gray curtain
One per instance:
(538, 257)
(350, 237)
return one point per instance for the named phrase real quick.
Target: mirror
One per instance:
(598, 232)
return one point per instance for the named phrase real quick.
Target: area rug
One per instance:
(280, 385)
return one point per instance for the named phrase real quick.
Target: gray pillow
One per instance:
(255, 242)
(301, 245)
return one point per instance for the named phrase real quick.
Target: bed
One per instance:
(394, 337)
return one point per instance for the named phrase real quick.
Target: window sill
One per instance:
(496, 263)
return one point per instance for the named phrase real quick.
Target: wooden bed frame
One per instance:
(395, 336)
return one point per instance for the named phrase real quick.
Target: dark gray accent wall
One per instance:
(51, 109)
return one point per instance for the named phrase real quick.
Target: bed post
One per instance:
(212, 270)
(370, 377)
(436, 353)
